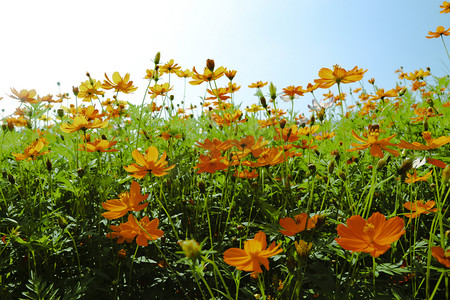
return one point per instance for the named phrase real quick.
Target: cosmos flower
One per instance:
(442, 256)
(253, 255)
(374, 235)
(148, 163)
(119, 84)
(417, 208)
(300, 223)
(32, 151)
(440, 31)
(338, 75)
(376, 146)
(128, 201)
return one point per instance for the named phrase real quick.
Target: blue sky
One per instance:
(286, 42)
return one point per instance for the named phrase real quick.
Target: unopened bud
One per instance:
(272, 91)
(405, 167)
(201, 186)
(303, 248)
(331, 166)
(62, 222)
(312, 168)
(4, 127)
(60, 112)
(342, 176)
(282, 123)
(382, 163)
(48, 164)
(75, 90)
(446, 175)
(191, 249)
(210, 64)
(157, 57)
(263, 101)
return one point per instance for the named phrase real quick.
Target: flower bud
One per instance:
(4, 127)
(331, 166)
(405, 167)
(342, 176)
(382, 163)
(263, 101)
(48, 164)
(312, 168)
(201, 186)
(210, 64)
(75, 90)
(272, 91)
(60, 112)
(122, 254)
(446, 175)
(157, 57)
(191, 249)
(303, 248)
(62, 222)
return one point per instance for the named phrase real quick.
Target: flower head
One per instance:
(144, 231)
(374, 143)
(80, 122)
(32, 151)
(374, 235)
(430, 142)
(24, 95)
(440, 31)
(128, 201)
(417, 208)
(338, 75)
(442, 256)
(300, 223)
(253, 255)
(148, 163)
(119, 84)
(414, 178)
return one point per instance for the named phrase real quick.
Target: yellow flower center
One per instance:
(368, 228)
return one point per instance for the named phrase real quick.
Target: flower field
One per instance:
(104, 199)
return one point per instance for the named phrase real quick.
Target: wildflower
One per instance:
(430, 142)
(211, 163)
(128, 201)
(186, 73)
(119, 84)
(207, 75)
(338, 75)
(169, 67)
(414, 178)
(80, 122)
(373, 236)
(300, 223)
(99, 145)
(381, 94)
(254, 108)
(24, 95)
(373, 143)
(246, 174)
(423, 114)
(89, 90)
(159, 90)
(419, 207)
(230, 74)
(148, 163)
(32, 151)
(303, 248)
(441, 256)
(253, 254)
(258, 84)
(143, 231)
(317, 107)
(215, 145)
(440, 31)
(417, 75)
(445, 7)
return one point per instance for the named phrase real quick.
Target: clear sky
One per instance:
(286, 42)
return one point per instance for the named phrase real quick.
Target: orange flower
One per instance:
(99, 145)
(211, 163)
(440, 31)
(246, 174)
(24, 95)
(381, 94)
(254, 108)
(215, 145)
(423, 114)
(445, 7)
(338, 75)
(300, 223)
(31, 152)
(80, 122)
(414, 178)
(441, 256)
(373, 143)
(186, 73)
(430, 142)
(144, 231)
(419, 207)
(373, 236)
(149, 162)
(119, 84)
(258, 84)
(253, 254)
(128, 201)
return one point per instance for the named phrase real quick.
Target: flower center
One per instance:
(368, 228)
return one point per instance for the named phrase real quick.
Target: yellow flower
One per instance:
(80, 122)
(89, 90)
(373, 143)
(119, 84)
(24, 95)
(207, 75)
(258, 84)
(440, 31)
(338, 75)
(414, 178)
(128, 201)
(169, 67)
(31, 152)
(159, 90)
